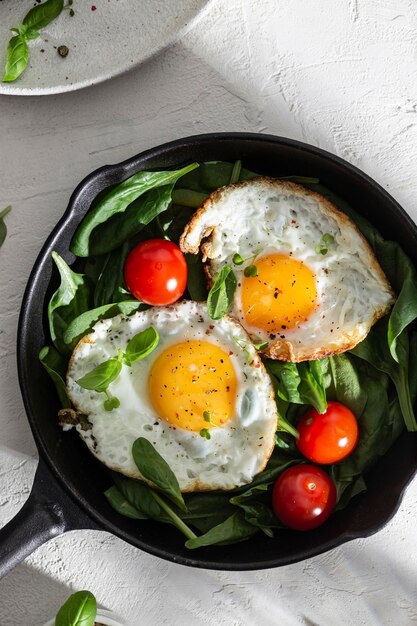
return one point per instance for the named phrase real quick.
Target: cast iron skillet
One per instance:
(68, 490)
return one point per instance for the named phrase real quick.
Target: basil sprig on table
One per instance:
(79, 610)
(18, 51)
(100, 378)
(3, 227)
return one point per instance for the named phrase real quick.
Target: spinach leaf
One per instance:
(257, 512)
(301, 383)
(235, 528)
(122, 226)
(235, 175)
(206, 510)
(141, 345)
(117, 200)
(212, 175)
(189, 198)
(120, 504)
(84, 323)
(79, 610)
(17, 58)
(3, 227)
(152, 505)
(375, 350)
(56, 366)
(221, 294)
(311, 385)
(110, 281)
(196, 279)
(70, 300)
(155, 469)
(43, 14)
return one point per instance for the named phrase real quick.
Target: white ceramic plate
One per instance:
(102, 43)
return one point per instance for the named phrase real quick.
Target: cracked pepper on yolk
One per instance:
(281, 296)
(189, 379)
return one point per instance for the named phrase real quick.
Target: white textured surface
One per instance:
(341, 74)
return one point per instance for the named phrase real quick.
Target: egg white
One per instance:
(265, 216)
(236, 452)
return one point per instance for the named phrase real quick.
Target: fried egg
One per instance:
(203, 377)
(314, 287)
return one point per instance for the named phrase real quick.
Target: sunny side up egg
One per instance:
(318, 289)
(198, 367)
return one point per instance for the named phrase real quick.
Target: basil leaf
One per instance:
(141, 345)
(122, 226)
(3, 227)
(84, 323)
(117, 200)
(234, 528)
(120, 504)
(70, 300)
(111, 280)
(42, 14)
(99, 378)
(17, 59)
(221, 294)
(155, 469)
(56, 366)
(79, 610)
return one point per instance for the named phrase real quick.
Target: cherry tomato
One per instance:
(156, 272)
(329, 437)
(303, 497)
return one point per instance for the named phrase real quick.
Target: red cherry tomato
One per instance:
(330, 437)
(303, 497)
(156, 272)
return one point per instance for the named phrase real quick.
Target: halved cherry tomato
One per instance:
(156, 272)
(329, 437)
(303, 497)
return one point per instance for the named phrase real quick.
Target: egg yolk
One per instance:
(192, 385)
(282, 295)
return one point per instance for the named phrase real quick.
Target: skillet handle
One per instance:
(47, 513)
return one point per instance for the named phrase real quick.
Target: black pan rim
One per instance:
(43, 256)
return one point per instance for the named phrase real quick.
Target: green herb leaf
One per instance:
(79, 610)
(3, 227)
(117, 200)
(189, 198)
(221, 294)
(261, 345)
(56, 366)
(111, 402)
(43, 14)
(250, 271)
(155, 469)
(301, 383)
(234, 528)
(196, 279)
(123, 226)
(206, 416)
(111, 280)
(237, 259)
(205, 433)
(17, 59)
(328, 239)
(235, 175)
(84, 323)
(68, 302)
(120, 504)
(99, 378)
(141, 345)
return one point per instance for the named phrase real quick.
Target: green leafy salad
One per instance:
(368, 392)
